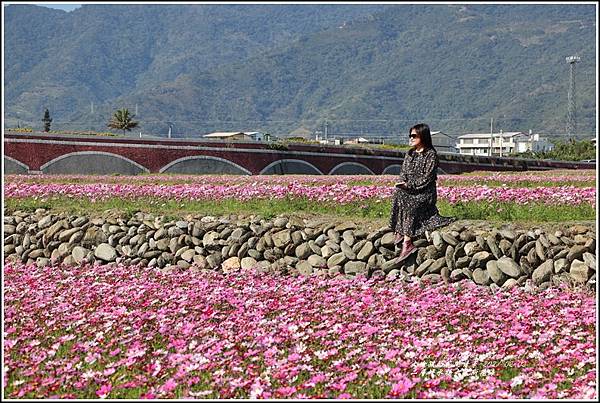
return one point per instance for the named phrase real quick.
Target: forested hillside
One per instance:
(370, 69)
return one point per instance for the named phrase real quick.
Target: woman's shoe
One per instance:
(398, 238)
(407, 249)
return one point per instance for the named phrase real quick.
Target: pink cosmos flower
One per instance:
(169, 385)
(400, 388)
(104, 391)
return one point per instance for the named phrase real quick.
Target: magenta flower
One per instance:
(104, 391)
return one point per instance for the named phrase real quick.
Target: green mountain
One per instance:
(67, 61)
(374, 70)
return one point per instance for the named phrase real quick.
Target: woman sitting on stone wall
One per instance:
(414, 208)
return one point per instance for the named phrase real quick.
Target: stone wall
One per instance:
(492, 257)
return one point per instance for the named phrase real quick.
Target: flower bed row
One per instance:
(335, 193)
(130, 332)
(511, 178)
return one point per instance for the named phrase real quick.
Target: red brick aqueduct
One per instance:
(81, 154)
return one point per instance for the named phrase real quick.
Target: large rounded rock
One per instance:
(337, 259)
(449, 239)
(366, 251)
(231, 265)
(449, 258)
(576, 252)
(510, 283)
(561, 266)
(423, 267)
(471, 248)
(105, 252)
(540, 250)
(210, 239)
(579, 272)
(497, 276)
(436, 266)
(188, 255)
(479, 259)
(388, 240)
(481, 277)
(303, 251)
(214, 260)
(493, 246)
(282, 238)
(304, 268)
(509, 267)
(590, 260)
(248, 263)
(316, 261)
(507, 234)
(355, 267)
(504, 246)
(347, 250)
(79, 253)
(543, 272)
(348, 237)
(93, 236)
(437, 240)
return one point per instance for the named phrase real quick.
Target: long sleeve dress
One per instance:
(414, 209)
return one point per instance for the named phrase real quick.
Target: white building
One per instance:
(501, 144)
(243, 136)
(532, 142)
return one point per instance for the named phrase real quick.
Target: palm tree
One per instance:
(121, 120)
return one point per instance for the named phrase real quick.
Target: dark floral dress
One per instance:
(414, 209)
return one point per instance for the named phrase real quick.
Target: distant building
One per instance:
(532, 142)
(443, 142)
(497, 144)
(501, 144)
(330, 141)
(362, 140)
(239, 136)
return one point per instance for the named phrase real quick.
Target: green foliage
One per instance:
(122, 120)
(21, 129)
(570, 150)
(47, 120)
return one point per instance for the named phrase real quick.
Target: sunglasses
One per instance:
(413, 136)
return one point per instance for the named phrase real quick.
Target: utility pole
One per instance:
(501, 142)
(491, 136)
(571, 97)
(326, 125)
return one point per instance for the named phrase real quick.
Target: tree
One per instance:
(122, 120)
(47, 120)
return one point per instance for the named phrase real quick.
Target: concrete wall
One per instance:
(351, 168)
(90, 162)
(204, 165)
(12, 166)
(289, 166)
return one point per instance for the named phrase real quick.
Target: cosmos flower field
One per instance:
(114, 331)
(505, 196)
(117, 332)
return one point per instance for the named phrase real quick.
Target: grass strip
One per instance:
(481, 210)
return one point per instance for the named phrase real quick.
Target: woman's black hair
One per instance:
(424, 134)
